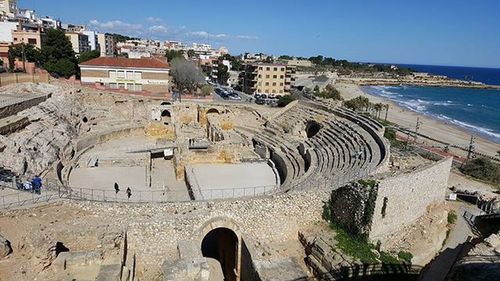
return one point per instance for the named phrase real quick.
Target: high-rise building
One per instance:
(107, 44)
(79, 41)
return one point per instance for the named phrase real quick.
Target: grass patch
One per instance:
(405, 256)
(354, 246)
(452, 217)
(358, 248)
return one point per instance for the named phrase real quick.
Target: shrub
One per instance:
(452, 217)
(405, 256)
(285, 100)
(483, 169)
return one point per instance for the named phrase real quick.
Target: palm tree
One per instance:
(386, 110)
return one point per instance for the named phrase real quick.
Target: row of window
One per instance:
(274, 76)
(130, 87)
(267, 84)
(125, 74)
(269, 68)
(266, 90)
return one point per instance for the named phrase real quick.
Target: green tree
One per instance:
(86, 56)
(26, 52)
(222, 73)
(328, 93)
(207, 90)
(187, 76)
(57, 54)
(171, 54)
(358, 103)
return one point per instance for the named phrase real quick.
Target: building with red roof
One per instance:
(145, 74)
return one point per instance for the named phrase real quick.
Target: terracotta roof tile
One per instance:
(126, 62)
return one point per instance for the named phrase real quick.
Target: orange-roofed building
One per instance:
(146, 74)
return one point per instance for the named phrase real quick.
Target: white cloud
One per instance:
(158, 29)
(221, 36)
(199, 34)
(246, 37)
(154, 20)
(116, 25)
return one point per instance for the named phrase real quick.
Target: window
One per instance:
(275, 76)
(112, 74)
(267, 76)
(274, 83)
(267, 83)
(121, 85)
(31, 41)
(282, 69)
(281, 84)
(281, 76)
(274, 91)
(275, 69)
(259, 76)
(268, 68)
(120, 74)
(260, 67)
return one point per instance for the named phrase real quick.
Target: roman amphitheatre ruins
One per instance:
(219, 191)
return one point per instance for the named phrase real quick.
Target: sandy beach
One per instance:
(436, 129)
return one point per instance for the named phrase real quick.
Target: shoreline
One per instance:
(430, 83)
(431, 126)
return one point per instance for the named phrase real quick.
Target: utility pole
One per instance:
(417, 127)
(471, 149)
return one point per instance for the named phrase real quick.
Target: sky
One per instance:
(436, 32)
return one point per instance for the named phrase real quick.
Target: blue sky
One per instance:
(440, 32)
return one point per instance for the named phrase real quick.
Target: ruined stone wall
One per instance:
(408, 196)
(154, 230)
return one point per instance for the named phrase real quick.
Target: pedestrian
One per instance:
(117, 189)
(37, 184)
(129, 192)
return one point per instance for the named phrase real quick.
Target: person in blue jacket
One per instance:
(37, 184)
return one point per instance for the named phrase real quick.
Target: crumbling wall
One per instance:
(407, 197)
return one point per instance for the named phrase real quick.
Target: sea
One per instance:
(475, 110)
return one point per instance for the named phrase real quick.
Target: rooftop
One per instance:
(126, 62)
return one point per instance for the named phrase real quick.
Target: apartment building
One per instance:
(8, 7)
(30, 37)
(107, 44)
(146, 74)
(92, 37)
(268, 78)
(79, 41)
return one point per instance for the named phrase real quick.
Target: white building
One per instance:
(8, 7)
(93, 40)
(6, 28)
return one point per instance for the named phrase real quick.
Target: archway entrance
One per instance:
(222, 244)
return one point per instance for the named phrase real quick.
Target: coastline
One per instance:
(432, 127)
(418, 83)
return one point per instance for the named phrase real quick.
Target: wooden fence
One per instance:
(14, 78)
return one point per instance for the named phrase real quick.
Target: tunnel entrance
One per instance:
(312, 128)
(222, 244)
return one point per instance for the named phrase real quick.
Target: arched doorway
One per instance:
(222, 244)
(165, 116)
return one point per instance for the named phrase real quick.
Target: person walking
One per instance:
(117, 188)
(129, 192)
(37, 184)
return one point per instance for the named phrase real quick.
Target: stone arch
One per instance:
(222, 244)
(166, 113)
(245, 269)
(312, 128)
(213, 110)
(166, 103)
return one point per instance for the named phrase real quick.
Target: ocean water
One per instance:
(476, 110)
(490, 76)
